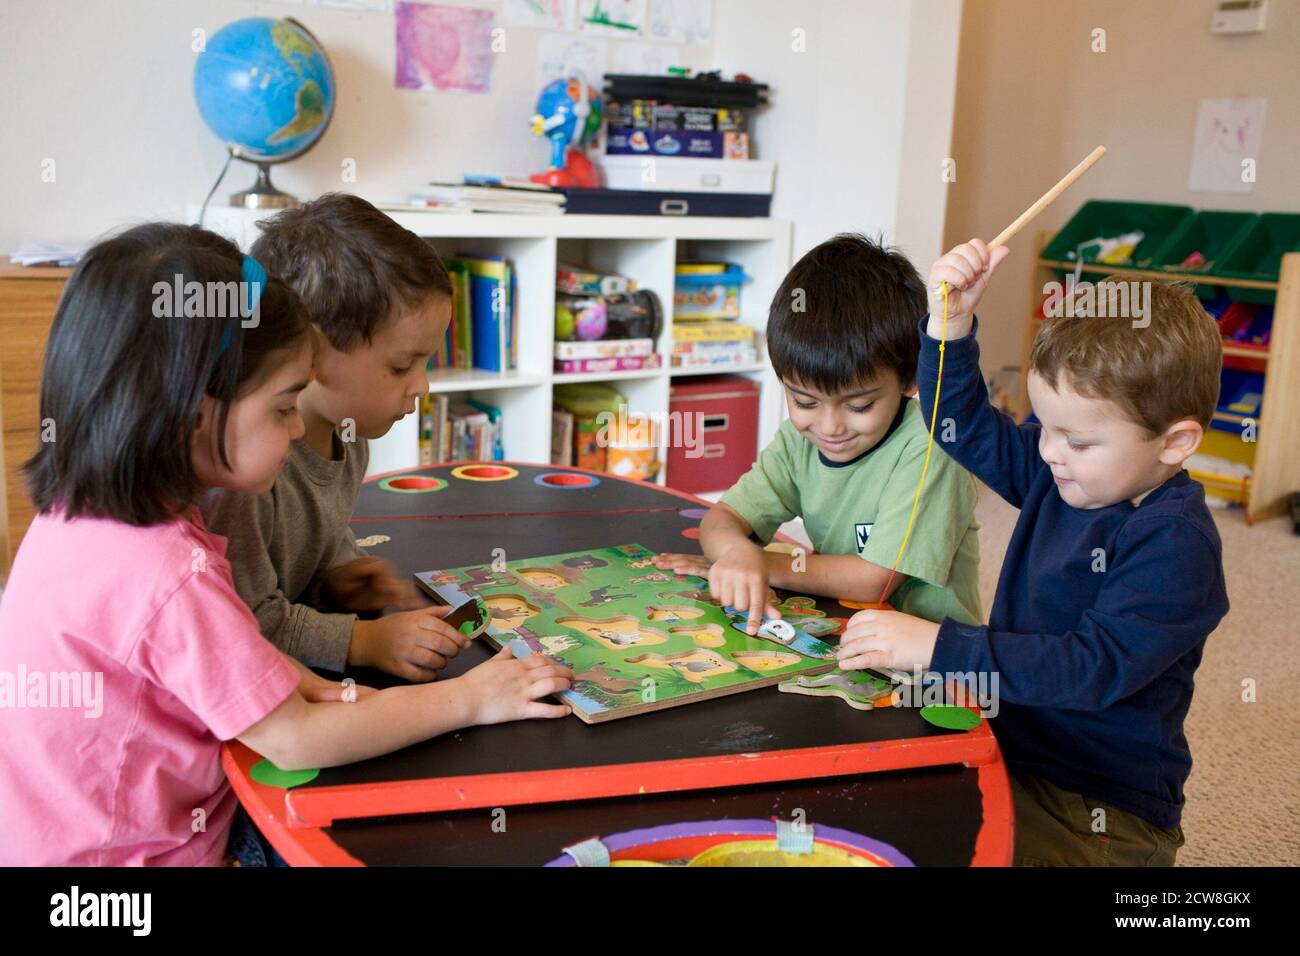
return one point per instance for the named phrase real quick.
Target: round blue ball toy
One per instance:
(266, 88)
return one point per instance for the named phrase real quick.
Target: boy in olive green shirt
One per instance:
(842, 339)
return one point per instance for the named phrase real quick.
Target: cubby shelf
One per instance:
(1276, 432)
(643, 247)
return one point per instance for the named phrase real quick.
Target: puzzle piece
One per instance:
(471, 618)
(801, 642)
(861, 690)
(780, 630)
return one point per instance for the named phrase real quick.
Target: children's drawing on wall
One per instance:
(540, 14)
(560, 56)
(612, 18)
(1228, 137)
(444, 48)
(682, 21)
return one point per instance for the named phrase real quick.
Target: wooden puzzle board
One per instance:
(639, 639)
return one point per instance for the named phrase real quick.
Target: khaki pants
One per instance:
(1055, 827)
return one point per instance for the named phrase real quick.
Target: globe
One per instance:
(266, 88)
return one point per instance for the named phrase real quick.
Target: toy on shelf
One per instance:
(568, 114)
(620, 315)
(1112, 250)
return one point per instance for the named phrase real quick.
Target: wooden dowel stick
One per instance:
(1046, 198)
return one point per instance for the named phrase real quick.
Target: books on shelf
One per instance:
(459, 431)
(604, 348)
(457, 350)
(712, 330)
(513, 198)
(697, 355)
(484, 329)
(719, 344)
(618, 363)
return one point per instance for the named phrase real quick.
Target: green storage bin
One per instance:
(1215, 234)
(1259, 254)
(1108, 217)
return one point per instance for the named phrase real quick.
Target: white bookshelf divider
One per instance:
(645, 248)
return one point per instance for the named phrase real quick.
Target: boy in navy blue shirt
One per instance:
(1113, 578)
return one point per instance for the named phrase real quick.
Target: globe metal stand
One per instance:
(262, 195)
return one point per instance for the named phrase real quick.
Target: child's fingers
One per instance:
(546, 687)
(439, 642)
(537, 709)
(505, 654)
(962, 266)
(873, 660)
(414, 672)
(545, 666)
(426, 657)
(975, 253)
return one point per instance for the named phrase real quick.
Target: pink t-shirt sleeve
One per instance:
(203, 646)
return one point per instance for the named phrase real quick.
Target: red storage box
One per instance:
(710, 452)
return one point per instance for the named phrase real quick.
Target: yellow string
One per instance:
(925, 466)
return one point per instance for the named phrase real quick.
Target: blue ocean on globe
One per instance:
(264, 86)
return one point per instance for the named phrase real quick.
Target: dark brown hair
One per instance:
(351, 265)
(125, 374)
(1156, 374)
(847, 310)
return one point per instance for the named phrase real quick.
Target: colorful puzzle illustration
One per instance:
(861, 690)
(639, 639)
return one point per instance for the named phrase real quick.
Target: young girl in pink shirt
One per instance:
(126, 657)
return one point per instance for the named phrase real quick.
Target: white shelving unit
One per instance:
(643, 247)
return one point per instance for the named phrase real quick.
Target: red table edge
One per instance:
(322, 806)
(311, 846)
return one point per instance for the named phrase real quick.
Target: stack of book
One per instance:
(606, 355)
(505, 196)
(454, 430)
(713, 344)
(484, 327)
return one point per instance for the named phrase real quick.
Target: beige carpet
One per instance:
(1243, 797)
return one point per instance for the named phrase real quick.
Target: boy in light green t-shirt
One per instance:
(842, 338)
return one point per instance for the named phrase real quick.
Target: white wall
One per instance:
(103, 89)
(1034, 99)
(853, 123)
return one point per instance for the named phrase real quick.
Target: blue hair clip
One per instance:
(253, 274)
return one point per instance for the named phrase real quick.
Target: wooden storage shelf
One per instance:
(1276, 462)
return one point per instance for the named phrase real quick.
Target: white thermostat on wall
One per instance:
(1239, 16)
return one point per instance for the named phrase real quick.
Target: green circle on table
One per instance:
(951, 718)
(268, 773)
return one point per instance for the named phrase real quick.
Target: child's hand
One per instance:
(967, 270)
(368, 584)
(505, 688)
(414, 644)
(887, 639)
(739, 579)
(696, 564)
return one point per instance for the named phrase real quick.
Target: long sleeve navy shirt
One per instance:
(1094, 667)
